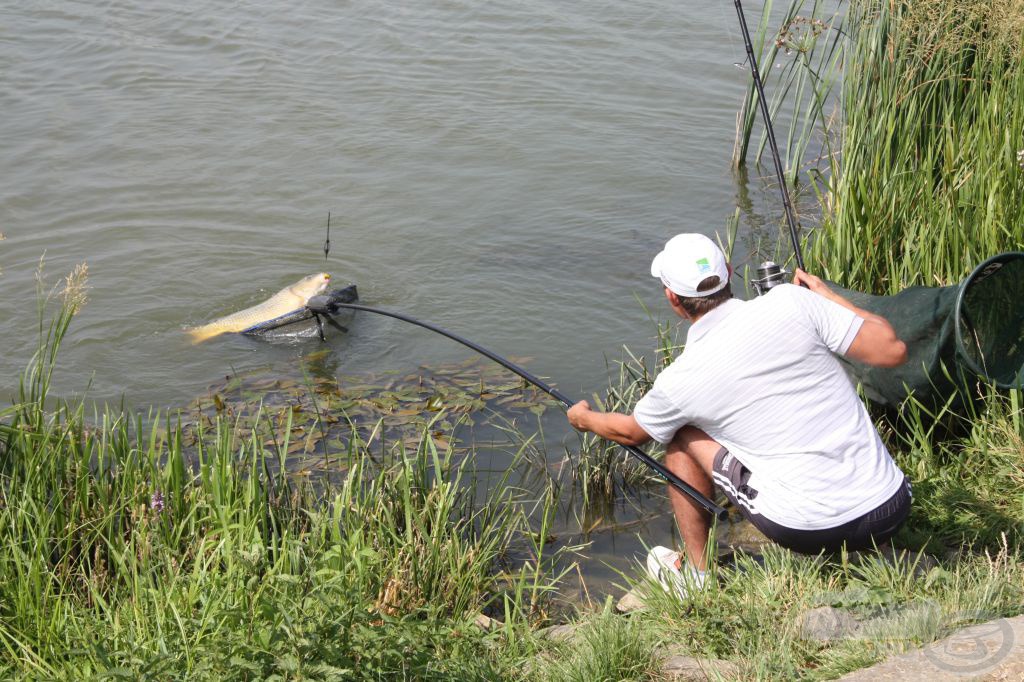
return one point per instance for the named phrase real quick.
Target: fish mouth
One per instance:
(322, 285)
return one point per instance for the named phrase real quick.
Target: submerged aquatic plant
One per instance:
(330, 415)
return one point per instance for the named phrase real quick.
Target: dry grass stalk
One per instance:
(76, 284)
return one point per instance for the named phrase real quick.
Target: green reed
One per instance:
(929, 181)
(800, 65)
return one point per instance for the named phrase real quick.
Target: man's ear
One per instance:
(673, 300)
(677, 304)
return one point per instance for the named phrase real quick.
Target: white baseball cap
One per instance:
(686, 261)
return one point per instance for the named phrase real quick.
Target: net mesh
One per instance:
(990, 320)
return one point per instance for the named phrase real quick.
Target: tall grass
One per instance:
(966, 487)
(800, 64)
(123, 555)
(929, 181)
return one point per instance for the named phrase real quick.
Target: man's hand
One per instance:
(811, 282)
(577, 414)
(621, 428)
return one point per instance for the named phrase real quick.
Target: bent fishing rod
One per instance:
(326, 307)
(794, 234)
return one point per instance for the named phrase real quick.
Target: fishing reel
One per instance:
(324, 306)
(769, 275)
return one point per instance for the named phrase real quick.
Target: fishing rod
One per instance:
(323, 305)
(794, 234)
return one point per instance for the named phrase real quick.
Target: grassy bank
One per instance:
(124, 556)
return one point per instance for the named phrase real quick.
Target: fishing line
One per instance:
(327, 244)
(738, 63)
(676, 482)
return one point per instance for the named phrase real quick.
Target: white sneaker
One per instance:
(661, 565)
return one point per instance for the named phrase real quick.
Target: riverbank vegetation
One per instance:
(929, 181)
(125, 556)
(145, 549)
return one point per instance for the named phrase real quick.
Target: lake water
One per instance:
(505, 170)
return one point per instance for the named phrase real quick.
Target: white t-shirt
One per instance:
(761, 378)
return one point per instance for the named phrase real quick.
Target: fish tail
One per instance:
(200, 334)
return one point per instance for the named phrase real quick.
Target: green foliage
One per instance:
(929, 181)
(124, 555)
(967, 484)
(607, 648)
(601, 468)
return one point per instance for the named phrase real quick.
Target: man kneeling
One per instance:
(759, 404)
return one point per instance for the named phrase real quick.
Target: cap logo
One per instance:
(703, 266)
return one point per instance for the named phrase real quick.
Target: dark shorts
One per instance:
(871, 529)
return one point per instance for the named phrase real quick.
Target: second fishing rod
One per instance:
(762, 101)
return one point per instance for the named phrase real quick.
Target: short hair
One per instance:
(695, 306)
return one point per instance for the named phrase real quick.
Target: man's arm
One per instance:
(876, 343)
(615, 426)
